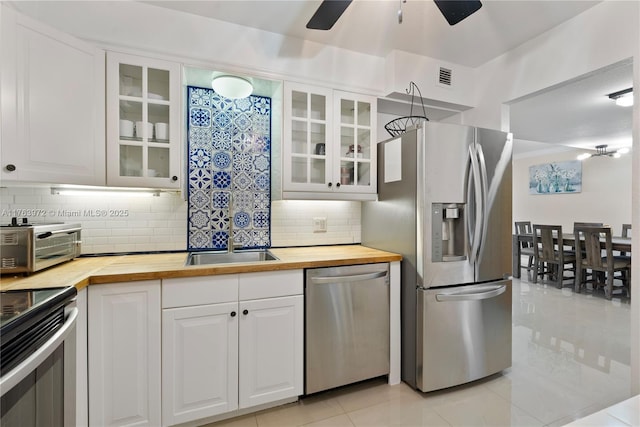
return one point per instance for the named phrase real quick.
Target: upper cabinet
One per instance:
(52, 94)
(329, 149)
(143, 122)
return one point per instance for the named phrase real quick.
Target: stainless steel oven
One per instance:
(27, 248)
(37, 357)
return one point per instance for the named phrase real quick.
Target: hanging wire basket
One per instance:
(397, 127)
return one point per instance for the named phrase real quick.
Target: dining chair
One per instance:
(526, 248)
(624, 256)
(550, 257)
(589, 257)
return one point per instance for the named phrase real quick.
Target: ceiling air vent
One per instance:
(444, 78)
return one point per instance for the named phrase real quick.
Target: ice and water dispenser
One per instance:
(448, 232)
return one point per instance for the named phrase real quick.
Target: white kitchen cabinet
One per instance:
(200, 362)
(230, 343)
(52, 103)
(329, 143)
(271, 350)
(143, 122)
(124, 354)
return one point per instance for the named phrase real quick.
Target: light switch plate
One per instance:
(320, 224)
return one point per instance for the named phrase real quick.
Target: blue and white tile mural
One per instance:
(555, 178)
(229, 149)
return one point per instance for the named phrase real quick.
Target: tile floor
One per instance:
(571, 357)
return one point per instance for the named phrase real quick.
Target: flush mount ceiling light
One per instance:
(623, 98)
(232, 87)
(601, 150)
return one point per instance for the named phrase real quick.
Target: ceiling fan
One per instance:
(330, 11)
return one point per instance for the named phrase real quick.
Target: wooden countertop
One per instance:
(86, 271)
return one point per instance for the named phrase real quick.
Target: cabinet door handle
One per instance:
(174, 178)
(245, 311)
(337, 184)
(10, 167)
(233, 314)
(329, 184)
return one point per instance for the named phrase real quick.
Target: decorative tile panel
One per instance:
(229, 170)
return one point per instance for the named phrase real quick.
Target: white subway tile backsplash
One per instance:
(160, 223)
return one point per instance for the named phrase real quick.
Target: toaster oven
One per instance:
(28, 248)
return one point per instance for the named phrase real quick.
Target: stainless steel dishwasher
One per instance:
(346, 325)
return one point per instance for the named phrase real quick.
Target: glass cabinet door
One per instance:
(142, 138)
(356, 141)
(307, 136)
(144, 98)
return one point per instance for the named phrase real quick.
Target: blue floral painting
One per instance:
(229, 170)
(556, 178)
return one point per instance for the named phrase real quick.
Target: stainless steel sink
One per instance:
(204, 258)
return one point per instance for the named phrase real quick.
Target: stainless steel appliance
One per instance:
(444, 203)
(346, 325)
(27, 248)
(37, 357)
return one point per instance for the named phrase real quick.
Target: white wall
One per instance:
(605, 196)
(602, 35)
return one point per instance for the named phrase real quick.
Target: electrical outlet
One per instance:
(320, 224)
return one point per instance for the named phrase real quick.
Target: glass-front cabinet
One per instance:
(329, 144)
(307, 134)
(143, 122)
(354, 114)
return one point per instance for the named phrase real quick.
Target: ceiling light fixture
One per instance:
(623, 98)
(232, 87)
(601, 150)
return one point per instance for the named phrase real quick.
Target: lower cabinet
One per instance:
(271, 350)
(188, 349)
(124, 354)
(230, 342)
(200, 362)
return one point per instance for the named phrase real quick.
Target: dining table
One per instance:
(618, 243)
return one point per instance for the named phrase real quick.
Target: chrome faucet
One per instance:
(231, 244)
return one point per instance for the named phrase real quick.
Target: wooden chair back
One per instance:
(524, 227)
(626, 228)
(589, 239)
(544, 246)
(587, 224)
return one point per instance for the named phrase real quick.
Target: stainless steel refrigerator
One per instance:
(444, 203)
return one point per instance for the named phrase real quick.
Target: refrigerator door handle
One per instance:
(485, 191)
(482, 293)
(474, 184)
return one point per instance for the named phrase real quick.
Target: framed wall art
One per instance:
(556, 178)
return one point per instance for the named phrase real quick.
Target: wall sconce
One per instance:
(601, 150)
(623, 98)
(232, 87)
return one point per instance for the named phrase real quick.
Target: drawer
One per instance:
(183, 292)
(270, 284)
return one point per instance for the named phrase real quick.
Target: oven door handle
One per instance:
(17, 374)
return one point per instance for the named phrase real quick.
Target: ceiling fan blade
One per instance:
(327, 14)
(455, 11)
